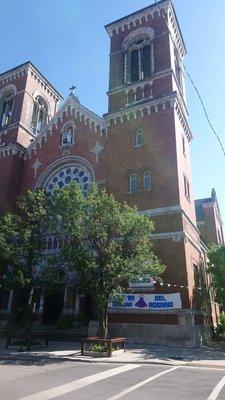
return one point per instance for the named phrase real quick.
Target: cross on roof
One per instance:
(72, 89)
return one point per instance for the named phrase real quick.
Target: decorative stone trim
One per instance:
(175, 30)
(145, 30)
(176, 236)
(150, 80)
(36, 166)
(141, 109)
(12, 149)
(132, 21)
(7, 88)
(162, 211)
(10, 76)
(75, 109)
(63, 162)
(97, 149)
(182, 118)
(152, 106)
(26, 69)
(138, 85)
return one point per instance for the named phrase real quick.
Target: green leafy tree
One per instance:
(105, 242)
(217, 270)
(22, 242)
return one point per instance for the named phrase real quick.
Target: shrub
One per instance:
(220, 330)
(98, 348)
(64, 322)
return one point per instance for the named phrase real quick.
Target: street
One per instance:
(24, 378)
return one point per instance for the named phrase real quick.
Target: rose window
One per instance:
(67, 175)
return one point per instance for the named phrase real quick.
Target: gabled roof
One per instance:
(72, 106)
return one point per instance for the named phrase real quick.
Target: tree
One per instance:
(22, 242)
(105, 242)
(217, 270)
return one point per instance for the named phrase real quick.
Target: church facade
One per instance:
(139, 151)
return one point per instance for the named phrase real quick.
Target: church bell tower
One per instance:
(148, 159)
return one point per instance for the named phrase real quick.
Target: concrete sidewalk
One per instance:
(212, 356)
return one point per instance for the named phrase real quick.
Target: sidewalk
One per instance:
(212, 356)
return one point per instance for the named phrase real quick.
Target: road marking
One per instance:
(79, 383)
(142, 383)
(217, 389)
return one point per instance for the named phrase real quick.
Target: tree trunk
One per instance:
(103, 322)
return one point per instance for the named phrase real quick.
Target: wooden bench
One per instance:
(26, 335)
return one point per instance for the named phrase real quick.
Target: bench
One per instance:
(26, 335)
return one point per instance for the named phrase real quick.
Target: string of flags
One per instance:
(178, 286)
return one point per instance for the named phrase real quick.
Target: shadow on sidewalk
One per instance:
(55, 353)
(214, 351)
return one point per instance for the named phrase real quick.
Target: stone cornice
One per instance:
(162, 211)
(12, 149)
(181, 112)
(147, 14)
(177, 237)
(134, 19)
(175, 29)
(70, 107)
(151, 106)
(23, 70)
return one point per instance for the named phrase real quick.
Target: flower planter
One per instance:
(111, 346)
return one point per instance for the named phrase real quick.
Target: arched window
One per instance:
(6, 108)
(67, 138)
(40, 115)
(147, 182)
(133, 183)
(67, 174)
(138, 48)
(139, 59)
(139, 138)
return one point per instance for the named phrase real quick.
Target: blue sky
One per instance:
(66, 40)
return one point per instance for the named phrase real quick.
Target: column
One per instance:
(77, 307)
(69, 300)
(10, 301)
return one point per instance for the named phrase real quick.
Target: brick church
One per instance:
(139, 151)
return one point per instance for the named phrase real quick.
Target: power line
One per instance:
(194, 85)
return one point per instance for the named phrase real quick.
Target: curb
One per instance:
(147, 362)
(114, 361)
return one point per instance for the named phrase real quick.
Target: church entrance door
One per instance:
(53, 305)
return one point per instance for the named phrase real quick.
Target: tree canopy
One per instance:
(107, 243)
(217, 270)
(22, 241)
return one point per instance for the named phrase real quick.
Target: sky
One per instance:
(67, 41)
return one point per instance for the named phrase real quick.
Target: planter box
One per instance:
(103, 353)
(108, 343)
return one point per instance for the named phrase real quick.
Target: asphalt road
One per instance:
(24, 379)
